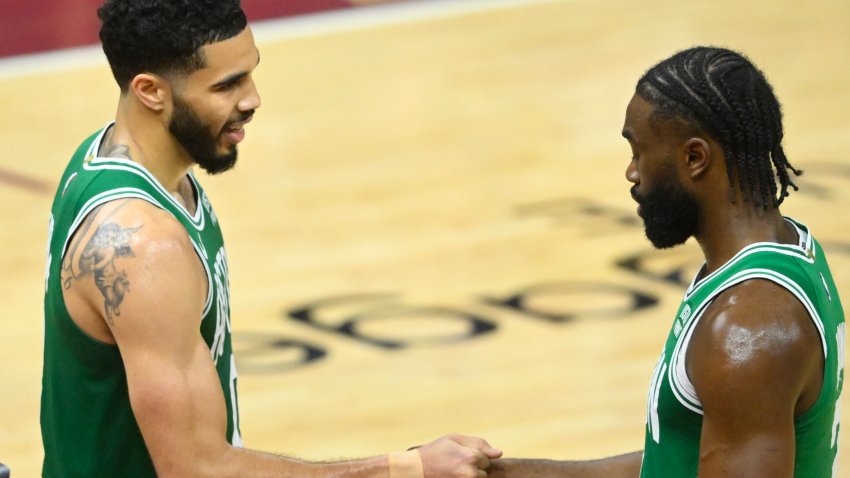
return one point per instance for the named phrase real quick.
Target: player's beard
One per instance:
(196, 138)
(670, 214)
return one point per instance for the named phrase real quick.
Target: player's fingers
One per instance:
(492, 453)
(488, 449)
(466, 440)
(482, 461)
(478, 443)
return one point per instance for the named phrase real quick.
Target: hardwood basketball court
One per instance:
(429, 229)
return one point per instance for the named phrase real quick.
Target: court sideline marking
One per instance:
(316, 24)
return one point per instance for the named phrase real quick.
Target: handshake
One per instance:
(452, 456)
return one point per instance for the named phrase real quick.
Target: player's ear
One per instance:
(151, 90)
(697, 157)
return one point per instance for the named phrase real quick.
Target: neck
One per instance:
(731, 227)
(145, 139)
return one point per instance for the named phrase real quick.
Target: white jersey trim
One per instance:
(803, 250)
(133, 193)
(99, 162)
(202, 253)
(680, 383)
(102, 198)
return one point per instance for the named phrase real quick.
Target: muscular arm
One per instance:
(756, 362)
(621, 466)
(133, 268)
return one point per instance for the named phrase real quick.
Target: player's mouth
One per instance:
(235, 132)
(637, 199)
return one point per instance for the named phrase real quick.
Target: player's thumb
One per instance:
(492, 453)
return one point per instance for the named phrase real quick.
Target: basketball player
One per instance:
(749, 380)
(139, 377)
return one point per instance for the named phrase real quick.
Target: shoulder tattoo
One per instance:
(109, 242)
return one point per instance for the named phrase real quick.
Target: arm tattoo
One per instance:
(109, 242)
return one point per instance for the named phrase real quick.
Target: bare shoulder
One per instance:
(757, 316)
(124, 253)
(136, 214)
(757, 340)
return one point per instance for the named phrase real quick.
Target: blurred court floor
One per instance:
(429, 228)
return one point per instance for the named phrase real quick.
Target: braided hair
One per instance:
(721, 93)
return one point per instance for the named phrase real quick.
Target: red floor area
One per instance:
(28, 26)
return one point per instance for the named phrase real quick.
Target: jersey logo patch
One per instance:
(681, 320)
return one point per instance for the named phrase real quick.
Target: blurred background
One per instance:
(429, 227)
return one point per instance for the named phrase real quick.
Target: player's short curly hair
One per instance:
(164, 36)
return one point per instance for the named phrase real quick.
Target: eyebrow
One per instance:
(230, 80)
(234, 78)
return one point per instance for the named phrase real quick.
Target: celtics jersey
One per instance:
(674, 411)
(88, 426)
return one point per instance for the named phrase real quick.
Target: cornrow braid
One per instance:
(721, 93)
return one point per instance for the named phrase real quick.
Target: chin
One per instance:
(666, 242)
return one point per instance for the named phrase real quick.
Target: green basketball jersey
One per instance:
(88, 427)
(674, 412)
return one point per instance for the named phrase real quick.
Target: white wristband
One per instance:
(406, 464)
